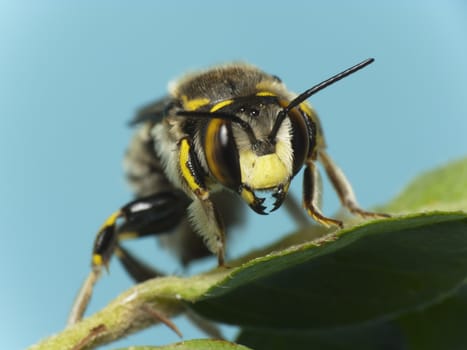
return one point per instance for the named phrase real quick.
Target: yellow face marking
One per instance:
(221, 104)
(262, 172)
(194, 104)
(186, 171)
(284, 152)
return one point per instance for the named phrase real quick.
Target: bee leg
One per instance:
(311, 195)
(209, 225)
(147, 215)
(343, 188)
(104, 245)
(204, 216)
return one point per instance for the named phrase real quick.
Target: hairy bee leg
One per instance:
(202, 213)
(104, 245)
(343, 188)
(311, 196)
(147, 215)
(82, 299)
(210, 226)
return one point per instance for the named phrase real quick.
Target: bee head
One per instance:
(256, 144)
(248, 152)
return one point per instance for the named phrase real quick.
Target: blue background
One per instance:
(72, 74)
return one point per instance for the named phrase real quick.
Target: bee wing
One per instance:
(153, 112)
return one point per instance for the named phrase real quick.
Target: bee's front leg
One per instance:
(311, 194)
(202, 212)
(209, 225)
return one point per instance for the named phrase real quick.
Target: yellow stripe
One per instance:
(194, 104)
(305, 107)
(97, 260)
(221, 104)
(110, 220)
(265, 93)
(127, 235)
(248, 196)
(186, 173)
(210, 147)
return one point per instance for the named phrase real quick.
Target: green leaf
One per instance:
(442, 326)
(369, 337)
(197, 344)
(371, 273)
(444, 188)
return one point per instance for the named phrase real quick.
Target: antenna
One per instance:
(313, 90)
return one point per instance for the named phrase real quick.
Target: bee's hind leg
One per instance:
(144, 216)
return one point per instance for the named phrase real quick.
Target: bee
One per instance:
(231, 127)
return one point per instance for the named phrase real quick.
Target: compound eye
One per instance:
(300, 138)
(221, 153)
